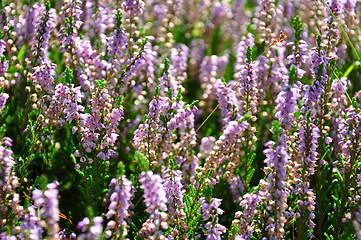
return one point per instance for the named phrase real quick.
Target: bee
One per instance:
(282, 38)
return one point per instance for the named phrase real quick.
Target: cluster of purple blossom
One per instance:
(95, 96)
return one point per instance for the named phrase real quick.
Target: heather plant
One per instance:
(140, 119)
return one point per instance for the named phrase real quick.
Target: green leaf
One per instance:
(90, 212)
(12, 69)
(82, 190)
(73, 158)
(195, 102)
(336, 199)
(328, 237)
(338, 174)
(68, 75)
(120, 169)
(21, 52)
(42, 181)
(250, 174)
(156, 93)
(142, 160)
(187, 201)
(166, 66)
(349, 69)
(251, 158)
(326, 151)
(80, 172)
(249, 55)
(100, 83)
(118, 17)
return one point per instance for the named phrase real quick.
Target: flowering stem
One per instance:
(347, 181)
(82, 155)
(237, 83)
(343, 31)
(99, 150)
(26, 111)
(122, 75)
(35, 135)
(189, 217)
(246, 155)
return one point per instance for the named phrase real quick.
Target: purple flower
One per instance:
(164, 117)
(91, 229)
(276, 191)
(32, 20)
(248, 88)
(98, 128)
(226, 150)
(339, 86)
(83, 224)
(298, 56)
(308, 143)
(30, 227)
(149, 66)
(43, 74)
(2, 47)
(178, 67)
(208, 77)
(220, 10)
(4, 64)
(246, 218)
(214, 231)
(207, 144)
(236, 187)
(122, 193)
(349, 131)
(154, 194)
(3, 98)
(50, 209)
(335, 6)
(62, 235)
(134, 7)
(174, 193)
(211, 209)
(167, 82)
(9, 199)
(266, 12)
(242, 52)
(229, 104)
(46, 204)
(69, 33)
(222, 64)
(178, 61)
(307, 150)
(272, 72)
(231, 130)
(43, 27)
(319, 57)
(314, 95)
(286, 105)
(117, 45)
(155, 199)
(73, 98)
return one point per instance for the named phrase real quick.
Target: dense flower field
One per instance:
(180, 119)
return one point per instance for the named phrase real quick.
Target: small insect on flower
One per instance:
(282, 38)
